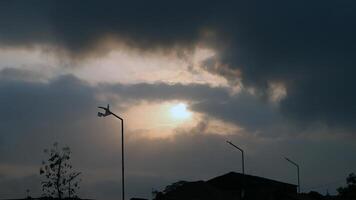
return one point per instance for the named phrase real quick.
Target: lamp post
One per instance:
(107, 113)
(243, 169)
(243, 158)
(295, 164)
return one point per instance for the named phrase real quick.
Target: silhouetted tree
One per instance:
(172, 187)
(59, 177)
(349, 192)
(157, 195)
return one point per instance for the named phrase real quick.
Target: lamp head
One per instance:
(107, 111)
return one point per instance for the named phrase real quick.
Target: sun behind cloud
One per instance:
(180, 112)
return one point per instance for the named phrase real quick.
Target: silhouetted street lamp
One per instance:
(295, 164)
(107, 113)
(243, 158)
(243, 169)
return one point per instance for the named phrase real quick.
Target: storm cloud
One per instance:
(308, 46)
(35, 114)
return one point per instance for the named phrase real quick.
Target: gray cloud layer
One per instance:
(36, 114)
(309, 46)
(244, 109)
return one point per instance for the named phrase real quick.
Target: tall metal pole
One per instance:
(298, 180)
(243, 157)
(122, 159)
(243, 169)
(108, 112)
(295, 164)
(243, 162)
(122, 155)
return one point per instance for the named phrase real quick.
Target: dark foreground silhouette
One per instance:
(230, 186)
(236, 186)
(47, 198)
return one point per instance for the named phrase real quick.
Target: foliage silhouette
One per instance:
(349, 192)
(58, 173)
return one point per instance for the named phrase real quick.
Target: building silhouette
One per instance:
(230, 186)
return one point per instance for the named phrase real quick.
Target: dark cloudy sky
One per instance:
(274, 77)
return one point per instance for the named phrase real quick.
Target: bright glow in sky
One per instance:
(121, 65)
(184, 84)
(160, 119)
(164, 120)
(129, 66)
(180, 112)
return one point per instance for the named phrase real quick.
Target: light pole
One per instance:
(107, 113)
(243, 158)
(295, 164)
(243, 169)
